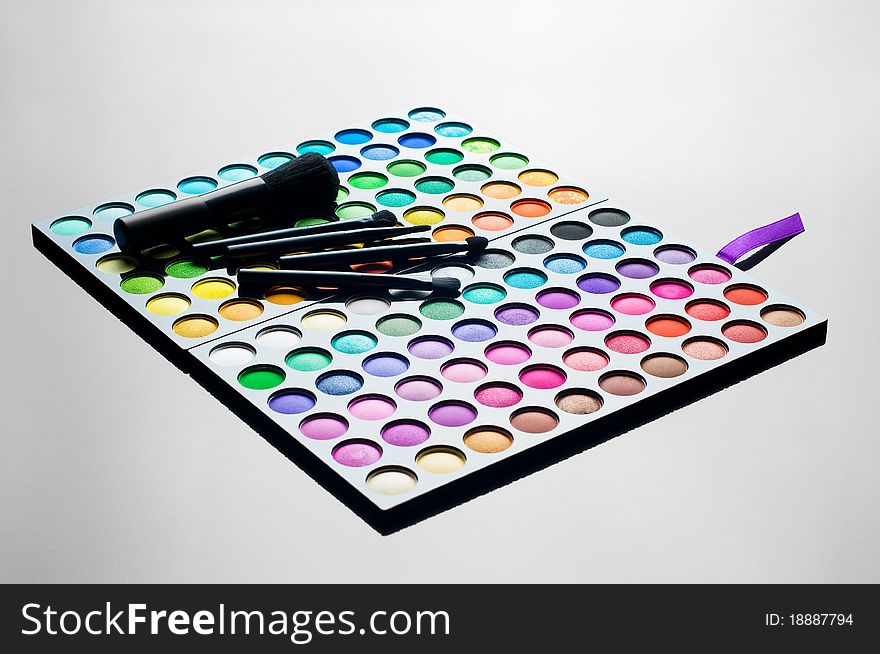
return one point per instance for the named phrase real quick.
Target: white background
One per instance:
(713, 117)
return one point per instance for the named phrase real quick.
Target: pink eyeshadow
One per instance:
(542, 377)
(406, 434)
(507, 354)
(633, 304)
(744, 332)
(498, 395)
(592, 320)
(671, 289)
(709, 274)
(418, 390)
(585, 360)
(463, 372)
(627, 343)
(551, 336)
(374, 407)
(357, 454)
(323, 428)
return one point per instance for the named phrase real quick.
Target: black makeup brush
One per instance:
(263, 279)
(390, 252)
(319, 241)
(306, 186)
(382, 218)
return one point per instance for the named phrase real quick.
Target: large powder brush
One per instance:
(304, 187)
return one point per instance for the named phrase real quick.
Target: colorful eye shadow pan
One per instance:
(578, 317)
(406, 433)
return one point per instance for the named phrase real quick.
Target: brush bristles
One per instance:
(446, 285)
(384, 218)
(476, 243)
(306, 186)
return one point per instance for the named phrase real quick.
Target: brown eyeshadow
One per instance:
(664, 365)
(706, 349)
(782, 316)
(579, 402)
(534, 421)
(619, 383)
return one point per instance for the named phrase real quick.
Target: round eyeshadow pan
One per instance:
(155, 197)
(353, 136)
(278, 338)
(168, 304)
(240, 310)
(274, 159)
(391, 481)
(664, 365)
(568, 195)
(603, 249)
(96, 244)
(538, 177)
(622, 383)
(592, 320)
(418, 389)
(453, 129)
(668, 326)
(423, 216)
(516, 314)
(441, 309)
(443, 156)
(474, 331)
(440, 460)
(550, 336)
(565, 264)
(498, 395)
(323, 427)
(534, 420)
(704, 348)
(357, 453)
(641, 235)
(452, 414)
(542, 377)
(390, 125)
(354, 342)
(671, 289)
(633, 304)
(571, 230)
(532, 244)
(323, 320)
(463, 202)
(744, 331)
(351, 210)
(261, 377)
(598, 283)
(427, 114)
(344, 163)
(627, 342)
(525, 278)
(114, 210)
(195, 326)
(675, 255)
(585, 359)
(368, 180)
(637, 268)
(449, 233)
(480, 144)
(372, 407)
(709, 310)
(196, 185)
(493, 259)
(237, 172)
(379, 152)
(579, 401)
(291, 401)
(558, 298)
(708, 273)
(386, 364)
(367, 305)
(116, 264)
(507, 353)
(232, 354)
(492, 221)
(213, 288)
(500, 190)
(339, 383)
(416, 140)
(531, 208)
(463, 371)
(488, 440)
(781, 315)
(321, 147)
(141, 284)
(434, 185)
(406, 433)
(509, 161)
(608, 217)
(430, 347)
(185, 269)
(472, 173)
(398, 325)
(308, 359)
(484, 294)
(70, 226)
(745, 294)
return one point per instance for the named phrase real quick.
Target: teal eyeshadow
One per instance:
(113, 211)
(196, 185)
(155, 198)
(274, 159)
(484, 294)
(472, 173)
(641, 236)
(395, 198)
(434, 185)
(454, 130)
(427, 114)
(237, 172)
(72, 226)
(390, 125)
(321, 147)
(603, 250)
(525, 278)
(354, 343)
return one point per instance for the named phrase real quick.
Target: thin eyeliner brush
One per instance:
(382, 252)
(319, 241)
(263, 279)
(382, 218)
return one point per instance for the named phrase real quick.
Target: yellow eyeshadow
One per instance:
(241, 310)
(168, 304)
(440, 460)
(195, 326)
(538, 177)
(568, 195)
(423, 216)
(214, 288)
(462, 202)
(323, 321)
(116, 264)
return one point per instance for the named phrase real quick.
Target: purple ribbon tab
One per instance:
(781, 230)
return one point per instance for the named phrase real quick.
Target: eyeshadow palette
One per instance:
(580, 321)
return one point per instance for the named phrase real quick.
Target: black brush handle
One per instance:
(325, 279)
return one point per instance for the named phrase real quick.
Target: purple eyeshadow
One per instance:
(430, 347)
(452, 414)
(291, 401)
(405, 434)
(598, 283)
(516, 314)
(386, 365)
(474, 331)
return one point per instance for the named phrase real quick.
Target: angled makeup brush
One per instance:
(382, 252)
(382, 218)
(263, 279)
(319, 241)
(306, 186)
